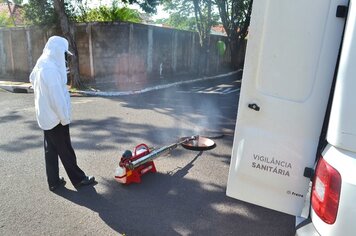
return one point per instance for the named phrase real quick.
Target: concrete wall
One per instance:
(120, 52)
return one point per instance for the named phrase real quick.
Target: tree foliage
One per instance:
(5, 21)
(176, 20)
(17, 2)
(149, 6)
(113, 13)
(42, 12)
(182, 14)
(235, 16)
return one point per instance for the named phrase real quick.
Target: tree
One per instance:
(235, 16)
(11, 13)
(68, 30)
(201, 10)
(56, 13)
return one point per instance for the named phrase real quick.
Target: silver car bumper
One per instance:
(306, 228)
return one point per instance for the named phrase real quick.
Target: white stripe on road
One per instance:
(123, 93)
(223, 92)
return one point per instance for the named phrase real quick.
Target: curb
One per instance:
(148, 89)
(27, 88)
(17, 88)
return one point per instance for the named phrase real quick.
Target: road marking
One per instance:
(164, 86)
(210, 91)
(81, 101)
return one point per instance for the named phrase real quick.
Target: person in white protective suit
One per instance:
(53, 113)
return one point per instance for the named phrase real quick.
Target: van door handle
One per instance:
(254, 106)
(342, 11)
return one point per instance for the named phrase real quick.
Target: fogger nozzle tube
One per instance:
(151, 156)
(156, 153)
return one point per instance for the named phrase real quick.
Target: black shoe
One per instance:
(88, 180)
(61, 182)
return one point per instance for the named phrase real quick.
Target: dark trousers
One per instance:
(57, 143)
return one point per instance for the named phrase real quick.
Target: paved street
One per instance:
(185, 197)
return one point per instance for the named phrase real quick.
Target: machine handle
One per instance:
(139, 146)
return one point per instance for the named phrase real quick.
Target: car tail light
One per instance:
(326, 191)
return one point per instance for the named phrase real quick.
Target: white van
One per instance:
(298, 75)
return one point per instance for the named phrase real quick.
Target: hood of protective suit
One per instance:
(53, 57)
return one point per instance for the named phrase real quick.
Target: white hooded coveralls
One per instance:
(49, 81)
(53, 112)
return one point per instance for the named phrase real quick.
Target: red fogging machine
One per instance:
(139, 162)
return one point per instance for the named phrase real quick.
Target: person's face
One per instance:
(67, 59)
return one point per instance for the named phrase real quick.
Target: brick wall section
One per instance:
(121, 53)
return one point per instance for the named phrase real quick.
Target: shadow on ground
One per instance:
(172, 205)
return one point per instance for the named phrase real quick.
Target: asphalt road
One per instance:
(185, 197)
